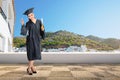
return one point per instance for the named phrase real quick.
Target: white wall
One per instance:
(7, 36)
(63, 57)
(4, 27)
(1, 43)
(4, 31)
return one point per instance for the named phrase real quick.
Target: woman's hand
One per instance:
(42, 28)
(22, 21)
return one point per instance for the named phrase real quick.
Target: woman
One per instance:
(34, 30)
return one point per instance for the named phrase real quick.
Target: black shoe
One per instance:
(30, 73)
(33, 70)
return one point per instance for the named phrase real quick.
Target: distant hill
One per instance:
(114, 43)
(95, 38)
(62, 39)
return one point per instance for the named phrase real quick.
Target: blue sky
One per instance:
(85, 17)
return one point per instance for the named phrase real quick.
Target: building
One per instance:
(7, 19)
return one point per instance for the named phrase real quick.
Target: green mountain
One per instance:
(114, 43)
(95, 38)
(62, 39)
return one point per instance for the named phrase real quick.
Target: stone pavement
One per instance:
(61, 72)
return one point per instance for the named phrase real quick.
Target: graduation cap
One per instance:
(28, 11)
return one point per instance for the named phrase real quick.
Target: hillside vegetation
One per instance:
(62, 39)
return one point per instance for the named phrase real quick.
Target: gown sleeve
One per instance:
(23, 30)
(42, 33)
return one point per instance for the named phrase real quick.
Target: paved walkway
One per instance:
(61, 72)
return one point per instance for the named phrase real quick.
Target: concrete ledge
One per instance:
(63, 57)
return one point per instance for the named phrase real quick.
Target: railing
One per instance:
(3, 14)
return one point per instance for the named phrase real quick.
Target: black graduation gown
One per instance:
(34, 36)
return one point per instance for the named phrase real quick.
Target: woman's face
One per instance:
(31, 16)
